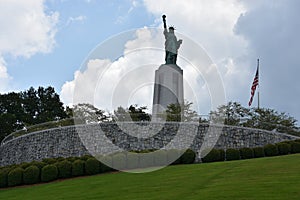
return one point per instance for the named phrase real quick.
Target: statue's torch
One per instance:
(164, 20)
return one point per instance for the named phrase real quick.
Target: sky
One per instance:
(96, 51)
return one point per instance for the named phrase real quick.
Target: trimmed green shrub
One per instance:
(72, 159)
(31, 175)
(92, 166)
(146, 151)
(271, 150)
(78, 168)
(11, 167)
(222, 154)
(49, 173)
(258, 152)
(132, 160)
(213, 156)
(49, 161)
(173, 156)
(283, 148)
(119, 161)
(24, 165)
(105, 164)
(3, 177)
(40, 165)
(64, 169)
(295, 147)
(15, 177)
(160, 158)
(146, 160)
(246, 153)
(86, 157)
(188, 157)
(59, 159)
(232, 154)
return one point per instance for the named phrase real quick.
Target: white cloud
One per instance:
(234, 33)
(26, 29)
(79, 18)
(99, 79)
(130, 79)
(122, 15)
(211, 24)
(4, 76)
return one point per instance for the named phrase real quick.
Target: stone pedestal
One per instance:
(168, 89)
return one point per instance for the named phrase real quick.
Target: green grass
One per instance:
(264, 178)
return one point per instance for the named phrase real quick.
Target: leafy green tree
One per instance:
(87, 114)
(269, 119)
(7, 124)
(174, 113)
(28, 108)
(133, 113)
(232, 113)
(138, 113)
(121, 114)
(184, 113)
(262, 118)
(11, 113)
(50, 106)
(30, 105)
(69, 112)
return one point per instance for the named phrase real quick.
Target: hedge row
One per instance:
(56, 168)
(282, 148)
(51, 169)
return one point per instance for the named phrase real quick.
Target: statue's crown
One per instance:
(172, 28)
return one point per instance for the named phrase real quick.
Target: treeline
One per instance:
(36, 106)
(233, 114)
(30, 107)
(262, 118)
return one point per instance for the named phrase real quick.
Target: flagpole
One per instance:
(258, 84)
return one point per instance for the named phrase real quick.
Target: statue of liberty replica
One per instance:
(168, 86)
(171, 44)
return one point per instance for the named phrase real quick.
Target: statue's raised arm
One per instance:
(171, 44)
(164, 20)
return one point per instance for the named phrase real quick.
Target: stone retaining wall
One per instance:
(68, 141)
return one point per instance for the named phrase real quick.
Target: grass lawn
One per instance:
(264, 178)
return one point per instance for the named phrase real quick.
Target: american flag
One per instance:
(254, 85)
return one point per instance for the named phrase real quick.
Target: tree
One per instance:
(233, 114)
(174, 113)
(87, 114)
(50, 107)
(264, 118)
(184, 113)
(269, 119)
(121, 114)
(7, 124)
(133, 113)
(30, 105)
(11, 113)
(28, 108)
(138, 113)
(69, 112)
